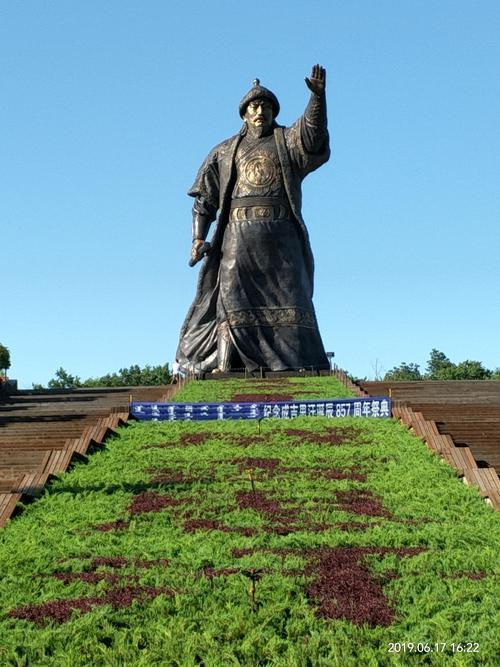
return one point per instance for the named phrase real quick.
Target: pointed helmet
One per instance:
(257, 92)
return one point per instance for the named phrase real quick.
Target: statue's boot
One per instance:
(225, 349)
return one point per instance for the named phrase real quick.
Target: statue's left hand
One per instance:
(317, 82)
(198, 251)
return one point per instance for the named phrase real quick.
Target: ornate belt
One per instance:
(264, 209)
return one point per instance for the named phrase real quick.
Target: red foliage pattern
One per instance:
(247, 440)
(344, 588)
(195, 438)
(149, 501)
(60, 611)
(361, 501)
(112, 525)
(261, 463)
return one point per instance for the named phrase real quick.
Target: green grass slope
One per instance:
(307, 388)
(310, 541)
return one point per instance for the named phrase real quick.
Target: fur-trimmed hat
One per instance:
(257, 92)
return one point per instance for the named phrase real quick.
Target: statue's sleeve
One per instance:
(307, 139)
(313, 127)
(206, 188)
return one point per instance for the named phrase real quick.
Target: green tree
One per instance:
(403, 372)
(63, 380)
(439, 367)
(132, 377)
(4, 358)
(471, 370)
(126, 377)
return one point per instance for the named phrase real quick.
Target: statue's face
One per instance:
(259, 116)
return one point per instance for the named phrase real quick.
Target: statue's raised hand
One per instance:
(317, 82)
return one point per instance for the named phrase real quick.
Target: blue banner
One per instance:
(376, 406)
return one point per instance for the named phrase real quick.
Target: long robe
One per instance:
(258, 277)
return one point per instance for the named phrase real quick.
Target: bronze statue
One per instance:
(253, 306)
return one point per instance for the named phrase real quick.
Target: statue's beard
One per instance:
(258, 131)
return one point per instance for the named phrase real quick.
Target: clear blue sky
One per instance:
(108, 108)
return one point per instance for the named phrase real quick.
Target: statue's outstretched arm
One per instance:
(314, 127)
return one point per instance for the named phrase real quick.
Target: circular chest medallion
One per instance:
(260, 171)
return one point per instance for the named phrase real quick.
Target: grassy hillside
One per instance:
(308, 542)
(306, 388)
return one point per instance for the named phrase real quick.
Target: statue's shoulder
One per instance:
(225, 147)
(217, 158)
(291, 135)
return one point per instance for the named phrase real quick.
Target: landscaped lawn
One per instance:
(280, 388)
(299, 542)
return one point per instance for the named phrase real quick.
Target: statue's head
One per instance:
(259, 108)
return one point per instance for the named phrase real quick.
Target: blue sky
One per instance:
(107, 109)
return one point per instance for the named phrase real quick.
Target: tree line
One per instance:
(133, 376)
(439, 367)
